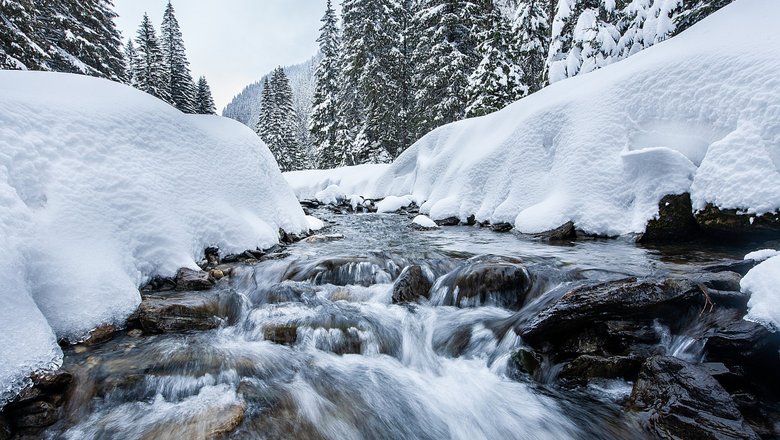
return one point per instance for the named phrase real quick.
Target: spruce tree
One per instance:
(131, 62)
(266, 111)
(179, 84)
(532, 30)
(204, 102)
(19, 47)
(560, 41)
(277, 123)
(695, 11)
(150, 72)
(324, 118)
(633, 17)
(498, 80)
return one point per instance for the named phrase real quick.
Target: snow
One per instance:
(697, 113)
(314, 223)
(761, 282)
(392, 204)
(348, 180)
(103, 187)
(424, 221)
(761, 255)
(332, 195)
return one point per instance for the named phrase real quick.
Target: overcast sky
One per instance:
(234, 42)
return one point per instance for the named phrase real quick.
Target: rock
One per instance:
(101, 334)
(612, 301)
(288, 291)
(675, 221)
(730, 223)
(502, 227)
(183, 311)
(449, 221)
(5, 428)
(205, 423)
(310, 204)
(411, 285)
(135, 333)
(282, 334)
(741, 267)
(526, 361)
(188, 279)
(565, 232)
(681, 400)
(35, 415)
(745, 343)
(486, 280)
(159, 284)
(583, 368)
(323, 238)
(216, 274)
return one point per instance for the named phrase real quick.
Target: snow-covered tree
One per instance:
(532, 29)
(324, 118)
(498, 80)
(19, 48)
(204, 102)
(694, 11)
(266, 111)
(131, 62)
(278, 123)
(633, 18)
(150, 71)
(180, 86)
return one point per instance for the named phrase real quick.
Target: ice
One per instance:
(424, 221)
(761, 255)
(697, 113)
(103, 187)
(349, 180)
(761, 283)
(393, 203)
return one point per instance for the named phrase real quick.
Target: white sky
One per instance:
(234, 42)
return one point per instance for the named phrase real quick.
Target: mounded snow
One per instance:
(761, 255)
(348, 180)
(699, 112)
(102, 187)
(392, 204)
(761, 282)
(314, 223)
(424, 221)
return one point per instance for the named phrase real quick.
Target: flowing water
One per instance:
(357, 366)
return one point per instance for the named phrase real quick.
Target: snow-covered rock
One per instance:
(349, 180)
(698, 113)
(103, 187)
(424, 222)
(392, 204)
(761, 255)
(314, 223)
(333, 194)
(761, 283)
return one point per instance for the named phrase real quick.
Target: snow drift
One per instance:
(102, 187)
(699, 113)
(342, 182)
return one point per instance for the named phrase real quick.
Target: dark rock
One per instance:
(34, 415)
(471, 220)
(287, 291)
(741, 267)
(178, 312)
(586, 367)
(411, 285)
(564, 232)
(612, 301)
(730, 223)
(311, 204)
(501, 227)
(101, 334)
(487, 280)
(746, 343)
(526, 361)
(5, 428)
(282, 334)
(188, 279)
(449, 221)
(675, 221)
(159, 284)
(681, 400)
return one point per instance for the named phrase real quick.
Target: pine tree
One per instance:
(498, 80)
(180, 86)
(633, 19)
(695, 11)
(560, 41)
(204, 102)
(278, 123)
(532, 29)
(19, 48)
(266, 111)
(131, 62)
(150, 72)
(324, 118)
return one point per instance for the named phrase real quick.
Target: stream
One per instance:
(315, 347)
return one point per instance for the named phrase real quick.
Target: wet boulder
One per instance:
(586, 367)
(38, 405)
(188, 279)
(681, 400)
(343, 271)
(185, 311)
(485, 280)
(675, 220)
(731, 223)
(411, 285)
(564, 232)
(501, 227)
(745, 343)
(449, 221)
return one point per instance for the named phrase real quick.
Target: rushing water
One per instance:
(361, 367)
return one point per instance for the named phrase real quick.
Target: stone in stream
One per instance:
(734, 224)
(189, 279)
(449, 221)
(501, 227)
(184, 311)
(745, 343)
(564, 232)
(38, 405)
(586, 367)
(675, 221)
(485, 280)
(681, 400)
(205, 423)
(411, 285)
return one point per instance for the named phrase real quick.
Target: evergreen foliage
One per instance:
(180, 87)
(324, 118)
(204, 102)
(277, 124)
(150, 75)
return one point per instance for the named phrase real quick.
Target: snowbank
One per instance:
(102, 187)
(699, 112)
(392, 204)
(344, 181)
(761, 282)
(761, 255)
(424, 221)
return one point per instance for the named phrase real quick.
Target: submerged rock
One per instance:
(730, 223)
(586, 367)
(184, 311)
(411, 285)
(681, 400)
(675, 220)
(485, 280)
